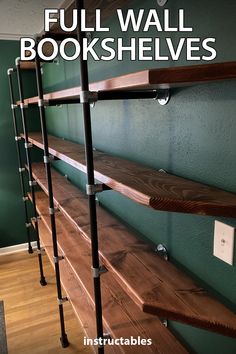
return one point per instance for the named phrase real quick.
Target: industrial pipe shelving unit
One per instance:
(86, 98)
(150, 86)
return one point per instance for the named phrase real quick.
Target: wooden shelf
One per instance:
(153, 79)
(155, 285)
(144, 185)
(122, 318)
(27, 65)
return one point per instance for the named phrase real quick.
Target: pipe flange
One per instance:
(162, 251)
(163, 97)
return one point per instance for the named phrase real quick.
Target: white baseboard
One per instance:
(17, 248)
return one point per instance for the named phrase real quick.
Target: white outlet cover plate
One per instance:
(224, 242)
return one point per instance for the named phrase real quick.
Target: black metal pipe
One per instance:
(20, 163)
(106, 96)
(64, 339)
(127, 95)
(91, 181)
(30, 172)
(109, 96)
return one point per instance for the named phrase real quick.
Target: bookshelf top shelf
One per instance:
(152, 79)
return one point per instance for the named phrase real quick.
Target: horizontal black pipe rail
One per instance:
(108, 96)
(104, 96)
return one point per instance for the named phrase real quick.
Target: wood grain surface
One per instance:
(75, 292)
(122, 317)
(160, 191)
(27, 65)
(153, 79)
(155, 285)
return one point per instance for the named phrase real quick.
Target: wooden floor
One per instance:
(31, 310)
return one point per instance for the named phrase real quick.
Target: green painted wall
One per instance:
(12, 229)
(194, 137)
(11, 215)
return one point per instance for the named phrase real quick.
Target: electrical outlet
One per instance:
(224, 242)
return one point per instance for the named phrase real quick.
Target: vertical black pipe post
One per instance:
(64, 339)
(90, 180)
(32, 183)
(20, 163)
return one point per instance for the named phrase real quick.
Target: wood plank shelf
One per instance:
(153, 79)
(122, 317)
(144, 185)
(27, 65)
(155, 285)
